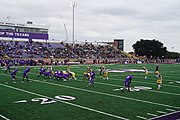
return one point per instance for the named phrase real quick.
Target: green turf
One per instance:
(99, 103)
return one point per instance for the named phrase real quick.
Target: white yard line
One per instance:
(162, 112)
(72, 104)
(143, 90)
(176, 94)
(4, 117)
(106, 94)
(164, 115)
(152, 114)
(141, 117)
(151, 83)
(170, 110)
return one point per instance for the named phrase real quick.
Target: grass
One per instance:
(98, 103)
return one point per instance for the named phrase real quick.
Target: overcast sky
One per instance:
(102, 20)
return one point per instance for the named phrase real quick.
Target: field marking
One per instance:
(112, 95)
(108, 94)
(141, 117)
(162, 112)
(152, 114)
(151, 83)
(149, 102)
(170, 110)
(176, 94)
(4, 117)
(21, 101)
(147, 82)
(163, 115)
(72, 104)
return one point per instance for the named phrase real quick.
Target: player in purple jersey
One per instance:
(92, 78)
(25, 74)
(127, 82)
(13, 74)
(42, 71)
(56, 74)
(66, 76)
(8, 65)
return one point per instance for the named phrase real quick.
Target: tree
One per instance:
(149, 48)
(173, 55)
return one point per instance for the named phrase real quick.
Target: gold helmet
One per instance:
(157, 72)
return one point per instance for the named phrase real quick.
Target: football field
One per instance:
(52, 99)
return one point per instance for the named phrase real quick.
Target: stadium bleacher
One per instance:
(22, 49)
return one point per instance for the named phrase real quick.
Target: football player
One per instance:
(91, 79)
(102, 68)
(105, 74)
(13, 74)
(127, 82)
(42, 71)
(86, 75)
(146, 72)
(159, 79)
(8, 65)
(25, 74)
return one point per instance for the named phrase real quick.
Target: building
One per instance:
(119, 43)
(27, 31)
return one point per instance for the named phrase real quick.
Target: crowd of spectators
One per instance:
(88, 50)
(19, 62)
(22, 49)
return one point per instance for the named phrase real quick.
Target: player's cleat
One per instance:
(122, 91)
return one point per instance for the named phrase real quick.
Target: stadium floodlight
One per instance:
(172, 49)
(8, 17)
(73, 5)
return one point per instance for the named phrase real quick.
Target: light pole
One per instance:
(172, 49)
(73, 5)
(8, 17)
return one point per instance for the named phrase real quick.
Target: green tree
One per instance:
(173, 55)
(149, 48)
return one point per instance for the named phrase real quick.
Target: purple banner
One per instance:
(26, 35)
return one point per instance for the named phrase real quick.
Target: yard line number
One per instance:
(44, 101)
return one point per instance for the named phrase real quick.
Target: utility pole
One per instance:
(73, 5)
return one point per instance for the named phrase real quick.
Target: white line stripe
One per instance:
(141, 117)
(150, 83)
(152, 114)
(109, 94)
(4, 117)
(170, 110)
(21, 101)
(164, 115)
(144, 90)
(90, 109)
(149, 102)
(161, 112)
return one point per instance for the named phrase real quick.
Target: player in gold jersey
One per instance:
(146, 72)
(159, 79)
(105, 74)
